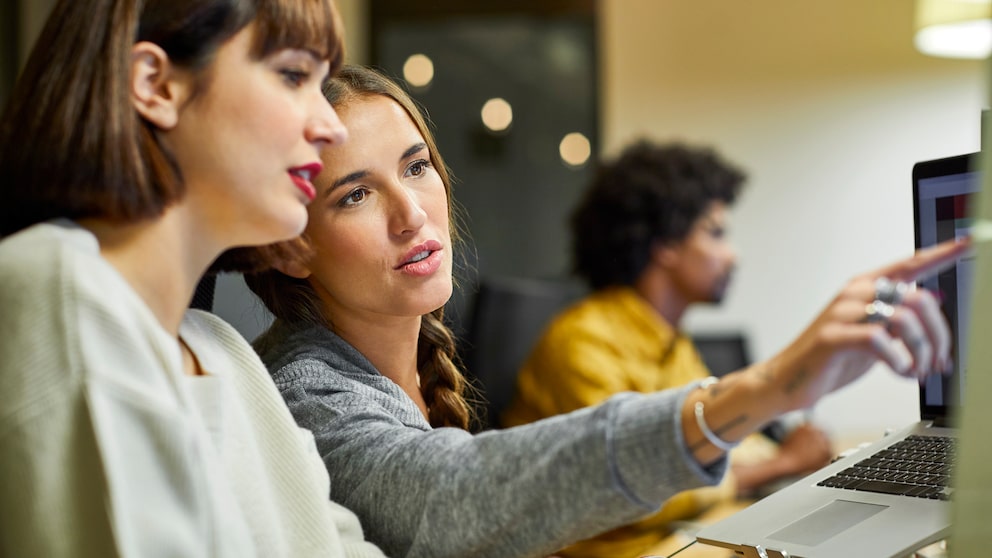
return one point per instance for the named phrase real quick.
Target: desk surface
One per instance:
(681, 538)
(678, 540)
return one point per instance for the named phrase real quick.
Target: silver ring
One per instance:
(889, 291)
(877, 311)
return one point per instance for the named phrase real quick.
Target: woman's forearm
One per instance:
(737, 405)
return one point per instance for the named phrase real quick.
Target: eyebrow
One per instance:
(353, 177)
(358, 175)
(413, 149)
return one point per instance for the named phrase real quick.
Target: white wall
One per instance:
(827, 106)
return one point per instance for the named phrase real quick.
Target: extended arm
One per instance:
(525, 491)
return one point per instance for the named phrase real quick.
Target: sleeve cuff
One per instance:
(649, 461)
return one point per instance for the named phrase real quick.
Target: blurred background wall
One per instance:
(828, 105)
(825, 103)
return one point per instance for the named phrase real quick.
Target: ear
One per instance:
(157, 89)
(665, 254)
(293, 268)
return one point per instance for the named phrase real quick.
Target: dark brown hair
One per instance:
(295, 301)
(71, 143)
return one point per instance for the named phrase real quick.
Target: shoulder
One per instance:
(39, 344)
(70, 321)
(322, 390)
(308, 361)
(53, 273)
(54, 283)
(312, 377)
(44, 258)
(318, 372)
(295, 352)
(42, 238)
(598, 317)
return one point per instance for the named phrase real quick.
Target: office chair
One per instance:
(203, 297)
(508, 316)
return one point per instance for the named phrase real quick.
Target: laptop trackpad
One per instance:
(826, 522)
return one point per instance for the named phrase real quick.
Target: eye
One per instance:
(294, 76)
(354, 197)
(419, 167)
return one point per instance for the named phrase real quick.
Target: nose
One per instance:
(324, 127)
(406, 214)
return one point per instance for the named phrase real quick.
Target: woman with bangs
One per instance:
(143, 141)
(362, 357)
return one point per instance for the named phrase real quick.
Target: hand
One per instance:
(839, 346)
(804, 450)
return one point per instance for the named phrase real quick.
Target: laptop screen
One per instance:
(942, 195)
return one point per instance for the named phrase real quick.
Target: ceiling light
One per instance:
(954, 28)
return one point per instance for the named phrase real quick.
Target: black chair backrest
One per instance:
(508, 316)
(203, 297)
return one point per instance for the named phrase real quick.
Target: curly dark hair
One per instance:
(650, 193)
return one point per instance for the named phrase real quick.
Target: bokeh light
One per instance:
(418, 70)
(575, 149)
(497, 114)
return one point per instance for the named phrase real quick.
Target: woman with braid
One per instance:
(361, 356)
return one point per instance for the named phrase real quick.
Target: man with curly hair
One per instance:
(650, 239)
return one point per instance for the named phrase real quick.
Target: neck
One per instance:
(162, 259)
(657, 289)
(391, 346)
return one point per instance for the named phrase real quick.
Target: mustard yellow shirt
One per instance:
(609, 342)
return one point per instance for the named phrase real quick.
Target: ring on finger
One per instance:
(914, 342)
(889, 291)
(877, 311)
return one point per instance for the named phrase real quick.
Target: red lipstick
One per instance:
(302, 177)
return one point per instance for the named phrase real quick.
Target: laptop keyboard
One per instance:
(918, 466)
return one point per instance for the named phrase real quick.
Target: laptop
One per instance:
(861, 506)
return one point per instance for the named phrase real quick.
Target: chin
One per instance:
(436, 298)
(717, 297)
(288, 225)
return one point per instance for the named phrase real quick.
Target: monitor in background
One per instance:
(722, 353)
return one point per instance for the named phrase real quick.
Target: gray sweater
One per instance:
(524, 491)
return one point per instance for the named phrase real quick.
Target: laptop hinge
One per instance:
(757, 551)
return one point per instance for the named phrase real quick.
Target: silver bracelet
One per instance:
(704, 428)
